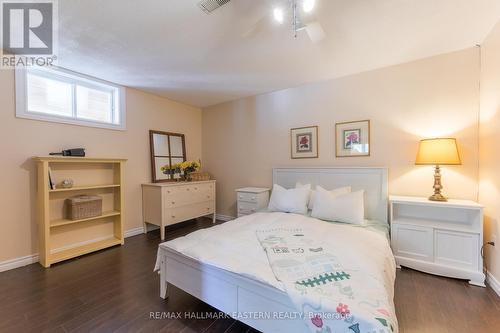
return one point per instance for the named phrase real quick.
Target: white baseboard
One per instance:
(33, 258)
(493, 283)
(18, 262)
(133, 232)
(224, 218)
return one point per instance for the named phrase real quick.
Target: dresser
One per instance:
(251, 200)
(442, 238)
(169, 203)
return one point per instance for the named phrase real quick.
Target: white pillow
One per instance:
(289, 201)
(347, 208)
(312, 196)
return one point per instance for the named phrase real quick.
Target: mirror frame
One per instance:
(152, 149)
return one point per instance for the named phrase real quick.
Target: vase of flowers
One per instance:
(189, 166)
(173, 170)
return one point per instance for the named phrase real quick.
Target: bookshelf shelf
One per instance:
(105, 173)
(84, 249)
(83, 188)
(63, 222)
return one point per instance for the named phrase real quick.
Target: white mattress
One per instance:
(233, 246)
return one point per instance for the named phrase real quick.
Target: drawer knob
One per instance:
(208, 197)
(173, 216)
(173, 202)
(253, 198)
(241, 197)
(187, 189)
(195, 188)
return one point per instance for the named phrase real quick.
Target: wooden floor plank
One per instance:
(115, 290)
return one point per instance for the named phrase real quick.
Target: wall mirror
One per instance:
(167, 149)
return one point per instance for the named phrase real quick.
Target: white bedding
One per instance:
(233, 246)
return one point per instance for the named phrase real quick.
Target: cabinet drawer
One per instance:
(184, 195)
(246, 208)
(415, 242)
(248, 197)
(184, 213)
(456, 249)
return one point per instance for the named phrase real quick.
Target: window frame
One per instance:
(63, 75)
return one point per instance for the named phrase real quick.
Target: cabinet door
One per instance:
(410, 241)
(457, 249)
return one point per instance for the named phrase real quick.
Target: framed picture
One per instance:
(304, 142)
(352, 138)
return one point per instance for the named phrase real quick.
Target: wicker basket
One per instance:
(199, 176)
(84, 206)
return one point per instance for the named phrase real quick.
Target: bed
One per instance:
(225, 266)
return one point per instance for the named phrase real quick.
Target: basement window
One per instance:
(61, 96)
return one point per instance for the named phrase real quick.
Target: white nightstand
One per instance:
(442, 238)
(251, 199)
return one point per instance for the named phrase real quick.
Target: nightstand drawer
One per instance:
(247, 197)
(411, 241)
(246, 208)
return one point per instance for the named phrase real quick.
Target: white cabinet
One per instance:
(442, 238)
(169, 203)
(251, 200)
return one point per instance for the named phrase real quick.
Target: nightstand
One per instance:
(251, 200)
(442, 238)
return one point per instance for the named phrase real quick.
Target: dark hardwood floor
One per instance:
(115, 290)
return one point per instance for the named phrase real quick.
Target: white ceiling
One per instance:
(172, 48)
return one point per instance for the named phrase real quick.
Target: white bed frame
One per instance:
(258, 305)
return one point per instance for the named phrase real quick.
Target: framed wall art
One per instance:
(352, 138)
(304, 142)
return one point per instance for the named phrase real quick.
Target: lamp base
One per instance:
(437, 197)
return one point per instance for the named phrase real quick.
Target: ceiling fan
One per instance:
(314, 29)
(292, 11)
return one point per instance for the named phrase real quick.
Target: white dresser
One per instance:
(442, 238)
(251, 200)
(169, 203)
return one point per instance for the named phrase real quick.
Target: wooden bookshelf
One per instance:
(103, 175)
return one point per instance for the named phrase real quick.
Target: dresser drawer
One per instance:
(187, 212)
(246, 208)
(248, 197)
(187, 194)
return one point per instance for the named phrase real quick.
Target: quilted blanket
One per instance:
(331, 296)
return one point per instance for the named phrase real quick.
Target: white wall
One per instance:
(489, 194)
(243, 140)
(20, 139)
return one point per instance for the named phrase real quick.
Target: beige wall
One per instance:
(243, 140)
(489, 193)
(20, 139)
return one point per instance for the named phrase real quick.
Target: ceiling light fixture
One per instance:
(308, 5)
(297, 9)
(279, 15)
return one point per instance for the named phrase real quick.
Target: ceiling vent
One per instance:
(209, 6)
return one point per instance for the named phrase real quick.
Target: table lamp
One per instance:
(439, 151)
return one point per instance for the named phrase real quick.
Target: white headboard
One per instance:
(372, 180)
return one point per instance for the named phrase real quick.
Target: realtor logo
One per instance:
(27, 27)
(29, 31)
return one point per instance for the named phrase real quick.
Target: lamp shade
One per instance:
(441, 151)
